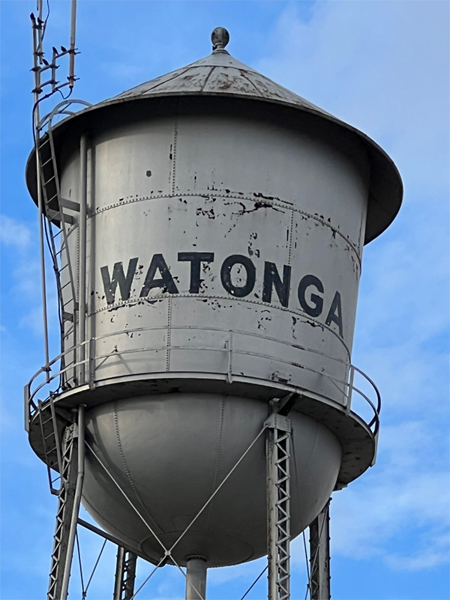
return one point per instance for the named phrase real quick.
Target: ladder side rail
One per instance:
(37, 90)
(63, 516)
(76, 504)
(65, 245)
(125, 574)
(82, 256)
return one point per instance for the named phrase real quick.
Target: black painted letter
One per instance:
(165, 282)
(335, 313)
(195, 258)
(272, 278)
(317, 301)
(118, 277)
(225, 275)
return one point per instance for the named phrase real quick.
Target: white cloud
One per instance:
(378, 66)
(15, 234)
(374, 65)
(410, 490)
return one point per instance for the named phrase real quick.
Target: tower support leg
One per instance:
(319, 543)
(278, 505)
(196, 578)
(69, 498)
(125, 574)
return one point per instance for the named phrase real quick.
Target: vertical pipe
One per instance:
(196, 578)
(76, 505)
(73, 20)
(120, 559)
(82, 260)
(91, 285)
(36, 91)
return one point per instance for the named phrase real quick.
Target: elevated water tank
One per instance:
(221, 247)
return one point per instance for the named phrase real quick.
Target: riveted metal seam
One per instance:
(174, 153)
(298, 313)
(127, 470)
(218, 454)
(213, 194)
(169, 333)
(291, 233)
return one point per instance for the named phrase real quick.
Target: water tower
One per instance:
(206, 230)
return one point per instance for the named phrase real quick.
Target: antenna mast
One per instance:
(43, 90)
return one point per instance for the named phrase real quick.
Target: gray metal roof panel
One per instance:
(218, 73)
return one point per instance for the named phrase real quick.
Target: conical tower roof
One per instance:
(218, 73)
(221, 75)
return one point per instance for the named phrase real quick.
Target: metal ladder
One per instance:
(50, 436)
(66, 507)
(54, 213)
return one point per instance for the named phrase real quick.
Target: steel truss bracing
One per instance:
(125, 574)
(69, 498)
(319, 541)
(278, 505)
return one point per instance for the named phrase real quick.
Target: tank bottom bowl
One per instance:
(168, 453)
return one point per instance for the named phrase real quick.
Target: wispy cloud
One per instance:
(352, 63)
(14, 233)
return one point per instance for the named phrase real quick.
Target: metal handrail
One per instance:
(348, 387)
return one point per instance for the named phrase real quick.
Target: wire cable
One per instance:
(81, 567)
(94, 569)
(256, 581)
(308, 588)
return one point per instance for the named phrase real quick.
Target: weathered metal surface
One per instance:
(217, 265)
(220, 74)
(218, 257)
(170, 452)
(319, 544)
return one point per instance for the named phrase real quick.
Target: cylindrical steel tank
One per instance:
(220, 262)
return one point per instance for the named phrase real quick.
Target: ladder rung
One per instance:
(55, 214)
(69, 219)
(70, 204)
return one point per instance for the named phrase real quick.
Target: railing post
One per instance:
(82, 260)
(350, 389)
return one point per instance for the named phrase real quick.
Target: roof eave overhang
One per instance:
(385, 187)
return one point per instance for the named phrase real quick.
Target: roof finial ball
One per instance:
(220, 38)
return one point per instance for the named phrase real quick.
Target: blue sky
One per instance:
(383, 66)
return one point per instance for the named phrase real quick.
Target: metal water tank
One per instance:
(214, 228)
